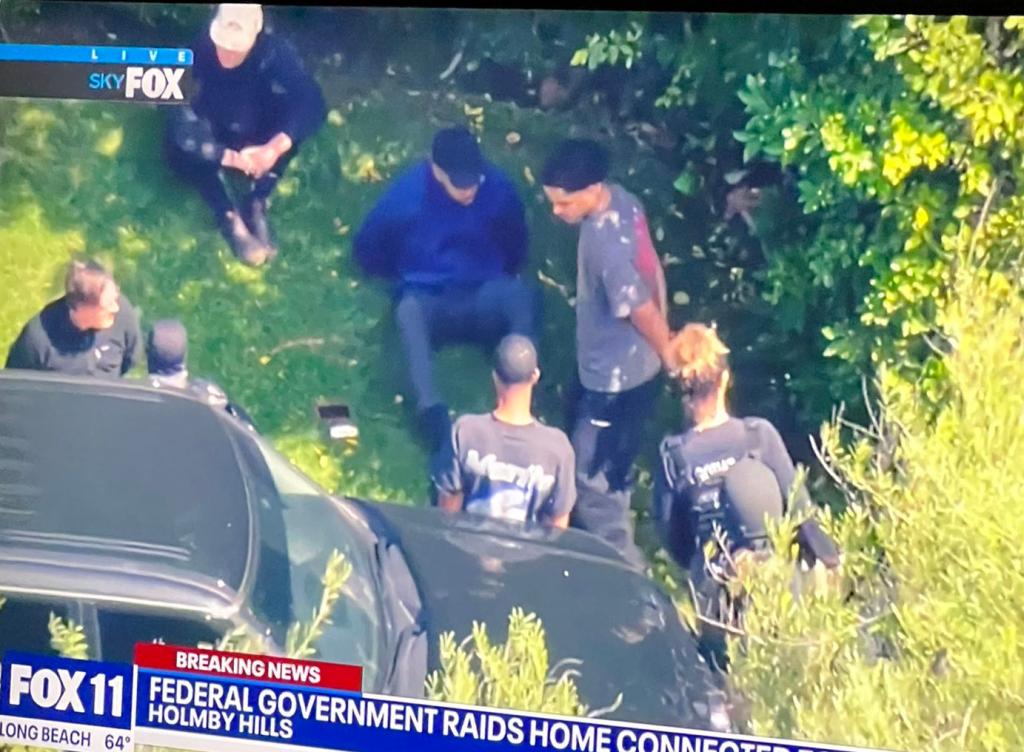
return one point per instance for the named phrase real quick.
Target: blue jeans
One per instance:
(607, 431)
(481, 314)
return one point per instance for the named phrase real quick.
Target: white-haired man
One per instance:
(252, 107)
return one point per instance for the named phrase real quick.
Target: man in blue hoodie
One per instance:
(254, 104)
(451, 233)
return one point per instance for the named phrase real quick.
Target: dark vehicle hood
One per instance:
(594, 607)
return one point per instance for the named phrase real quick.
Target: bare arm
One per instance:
(651, 323)
(449, 502)
(562, 522)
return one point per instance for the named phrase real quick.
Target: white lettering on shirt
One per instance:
(532, 477)
(704, 473)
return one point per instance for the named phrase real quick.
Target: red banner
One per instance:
(252, 667)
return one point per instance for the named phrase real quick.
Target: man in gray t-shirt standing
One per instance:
(505, 464)
(621, 334)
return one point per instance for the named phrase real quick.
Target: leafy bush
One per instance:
(918, 645)
(890, 130)
(894, 135)
(514, 675)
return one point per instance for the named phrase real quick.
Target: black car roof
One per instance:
(91, 468)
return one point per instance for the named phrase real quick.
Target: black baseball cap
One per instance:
(515, 359)
(166, 347)
(457, 152)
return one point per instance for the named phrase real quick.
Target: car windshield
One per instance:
(299, 528)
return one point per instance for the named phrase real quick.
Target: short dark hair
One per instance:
(84, 282)
(575, 164)
(166, 347)
(515, 359)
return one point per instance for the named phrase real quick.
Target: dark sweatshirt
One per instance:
(418, 235)
(269, 93)
(51, 342)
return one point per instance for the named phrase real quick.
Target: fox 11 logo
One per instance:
(137, 82)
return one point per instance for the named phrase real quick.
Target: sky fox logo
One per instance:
(151, 83)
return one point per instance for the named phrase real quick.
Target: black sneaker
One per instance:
(254, 212)
(247, 249)
(435, 425)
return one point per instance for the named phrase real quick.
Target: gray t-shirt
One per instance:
(517, 473)
(617, 271)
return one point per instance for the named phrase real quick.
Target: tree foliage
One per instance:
(919, 646)
(889, 131)
(900, 141)
(905, 127)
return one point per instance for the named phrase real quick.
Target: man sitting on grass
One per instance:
(253, 106)
(505, 464)
(451, 232)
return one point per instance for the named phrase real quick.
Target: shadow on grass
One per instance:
(89, 177)
(309, 326)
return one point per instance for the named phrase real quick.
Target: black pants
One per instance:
(607, 431)
(481, 315)
(715, 602)
(189, 148)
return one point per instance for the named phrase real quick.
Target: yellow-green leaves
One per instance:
(617, 46)
(302, 637)
(514, 675)
(110, 143)
(921, 218)
(68, 638)
(849, 156)
(907, 149)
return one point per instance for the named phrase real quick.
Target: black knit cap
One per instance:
(575, 164)
(166, 347)
(515, 359)
(456, 151)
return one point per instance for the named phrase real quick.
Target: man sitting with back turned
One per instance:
(451, 232)
(505, 464)
(254, 104)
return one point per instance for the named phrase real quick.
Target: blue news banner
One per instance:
(210, 701)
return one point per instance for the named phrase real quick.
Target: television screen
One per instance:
(677, 358)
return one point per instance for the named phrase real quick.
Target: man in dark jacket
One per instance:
(253, 105)
(451, 233)
(91, 331)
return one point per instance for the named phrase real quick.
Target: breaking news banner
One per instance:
(122, 74)
(211, 701)
(65, 704)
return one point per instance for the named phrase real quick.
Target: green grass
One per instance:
(90, 177)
